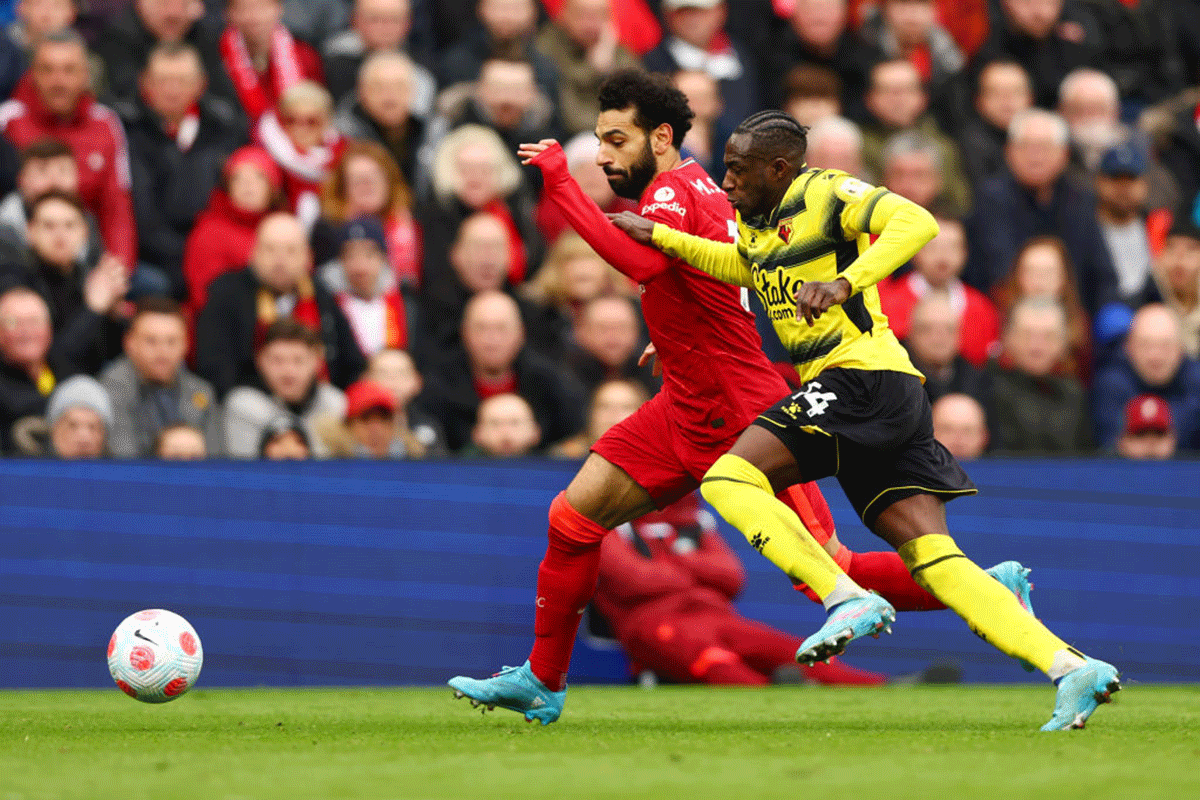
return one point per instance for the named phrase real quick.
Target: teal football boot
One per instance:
(1080, 692)
(848, 620)
(514, 688)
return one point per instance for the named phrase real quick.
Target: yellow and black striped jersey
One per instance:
(820, 231)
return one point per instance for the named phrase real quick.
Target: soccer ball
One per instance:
(154, 656)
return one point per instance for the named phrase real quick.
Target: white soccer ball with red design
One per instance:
(155, 656)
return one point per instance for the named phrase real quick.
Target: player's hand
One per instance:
(649, 356)
(640, 229)
(814, 298)
(528, 152)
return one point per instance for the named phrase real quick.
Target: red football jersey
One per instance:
(714, 368)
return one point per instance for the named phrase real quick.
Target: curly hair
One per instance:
(655, 99)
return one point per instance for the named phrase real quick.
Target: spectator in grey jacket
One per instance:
(289, 362)
(152, 390)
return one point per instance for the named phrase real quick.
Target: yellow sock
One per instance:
(992, 611)
(741, 493)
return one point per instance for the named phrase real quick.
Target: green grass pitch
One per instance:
(926, 743)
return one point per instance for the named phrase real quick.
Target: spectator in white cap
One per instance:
(79, 417)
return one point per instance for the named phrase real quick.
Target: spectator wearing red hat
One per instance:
(1149, 433)
(396, 371)
(375, 426)
(251, 188)
(365, 288)
(54, 100)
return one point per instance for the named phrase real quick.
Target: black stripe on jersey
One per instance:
(812, 349)
(870, 209)
(795, 256)
(831, 226)
(797, 205)
(855, 307)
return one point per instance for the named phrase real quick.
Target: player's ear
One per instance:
(662, 139)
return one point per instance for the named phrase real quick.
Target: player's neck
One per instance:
(668, 161)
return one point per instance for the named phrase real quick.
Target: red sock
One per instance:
(566, 582)
(885, 573)
(837, 673)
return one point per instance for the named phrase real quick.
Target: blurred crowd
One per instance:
(298, 228)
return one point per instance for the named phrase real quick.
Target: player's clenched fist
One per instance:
(639, 228)
(814, 298)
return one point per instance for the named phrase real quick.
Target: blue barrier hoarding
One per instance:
(338, 573)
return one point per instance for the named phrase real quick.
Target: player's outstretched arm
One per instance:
(722, 260)
(635, 261)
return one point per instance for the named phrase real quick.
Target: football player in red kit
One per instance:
(716, 380)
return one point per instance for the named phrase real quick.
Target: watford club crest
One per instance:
(785, 231)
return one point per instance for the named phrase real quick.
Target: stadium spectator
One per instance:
(504, 28)
(381, 111)
(937, 269)
(396, 371)
(572, 276)
(506, 99)
(365, 182)
(1035, 410)
(1154, 363)
(898, 103)
(1089, 103)
(372, 427)
(818, 33)
(635, 21)
(837, 143)
(611, 402)
(47, 164)
(1149, 432)
(696, 40)
(493, 360)
(150, 387)
(37, 19)
(505, 428)
(53, 99)
(706, 138)
(178, 139)
(667, 584)
(582, 44)
(1121, 195)
(180, 442)
(1049, 38)
(315, 21)
(812, 93)
(261, 57)
(1035, 198)
(12, 67)
(473, 171)
(1003, 91)
(1177, 270)
(83, 295)
(581, 153)
(276, 285)
(289, 362)
(608, 344)
(29, 367)
(933, 340)
(250, 188)
(913, 168)
(285, 439)
(128, 40)
(1139, 51)
(1180, 153)
(1043, 269)
(301, 138)
(376, 26)
(909, 29)
(79, 417)
(959, 423)
(365, 289)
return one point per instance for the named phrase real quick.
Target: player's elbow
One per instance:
(922, 223)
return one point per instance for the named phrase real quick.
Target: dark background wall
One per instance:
(357, 573)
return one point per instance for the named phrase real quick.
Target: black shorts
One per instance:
(873, 429)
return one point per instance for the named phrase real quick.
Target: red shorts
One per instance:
(653, 450)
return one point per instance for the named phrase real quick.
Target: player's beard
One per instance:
(632, 183)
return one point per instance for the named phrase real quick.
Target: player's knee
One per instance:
(571, 530)
(726, 477)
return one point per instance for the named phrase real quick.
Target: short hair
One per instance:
(1033, 305)
(835, 128)
(1022, 118)
(908, 143)
(64, 36)
(776, 132)
(381, 56)
(175, 50)
(655, 99)
(1078, 76)
(21, 290)
(167, 430)
(45, 149)
(165, 306)
(289, 330)
(809, 81)
(56, 194)
(307, 93)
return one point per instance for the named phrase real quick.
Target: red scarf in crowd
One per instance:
(303, 172)
(395, 335)
(404, 248)
(306, 312)
(283, 70)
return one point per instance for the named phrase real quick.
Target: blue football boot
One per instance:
(848, 620)
(514, 688)
(1080, 692)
